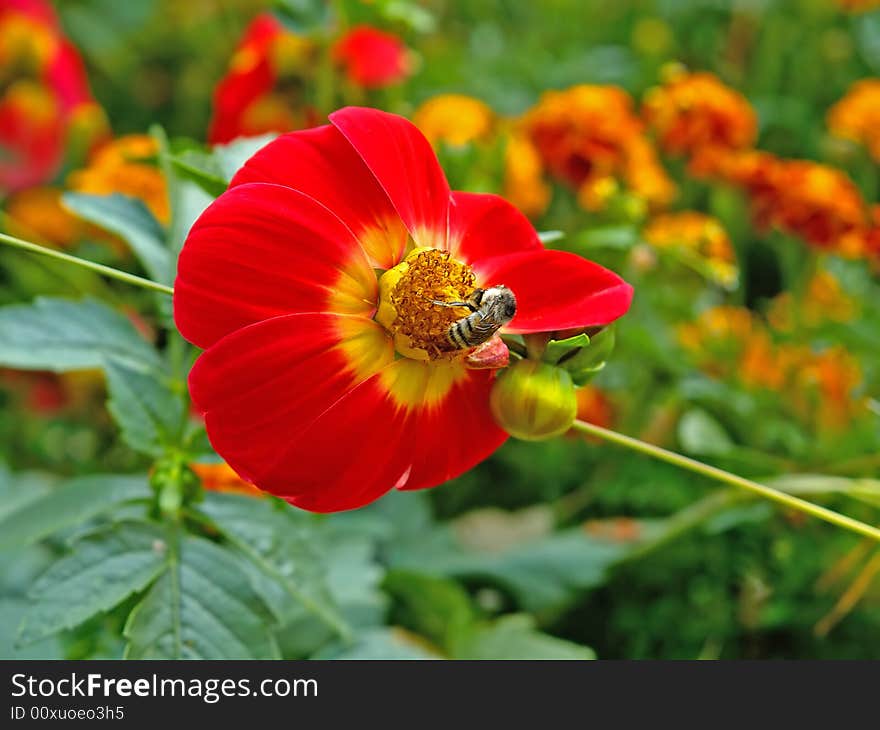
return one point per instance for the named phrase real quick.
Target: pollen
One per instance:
(407, 302)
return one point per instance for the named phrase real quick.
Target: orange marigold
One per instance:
(125, 166)
(699, 239)
(816, 202)
(221, 478)
(825, 301)
(37, 214)
(696, 115)
(454, 119)
(857, 115)
(588, 134)
(524, 183)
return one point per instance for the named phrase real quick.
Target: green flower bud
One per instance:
(532, 400)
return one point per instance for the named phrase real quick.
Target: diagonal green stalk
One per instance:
(712, 472)
(83, 263)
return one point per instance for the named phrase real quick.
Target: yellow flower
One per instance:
(524, 184)
(454, 119)
(125, 166)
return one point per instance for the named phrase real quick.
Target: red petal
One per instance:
(260, 251)
(481, 226)
(261, 387)
(322, 164)
(406, 167)
(557, 290)
(447, 440)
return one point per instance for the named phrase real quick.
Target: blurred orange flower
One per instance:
(825, 301)
(37, 214)
(373, 59)
(820, 386)
(594, 406)
(220, 477)
(587, 135)
(43, 89)
(126, 165)
(454, 119)
(264, 89)
(858, 6)
(700, 239)
(816, 202)
(524, 184)
(696, 115)
(857, 115)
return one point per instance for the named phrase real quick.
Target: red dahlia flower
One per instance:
(328, 378)
(371, 58)
(263, 90)
(44, 94)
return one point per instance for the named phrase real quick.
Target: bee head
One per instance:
(501, 299)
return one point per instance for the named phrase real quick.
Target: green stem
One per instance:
(76, 261)
(684, 462)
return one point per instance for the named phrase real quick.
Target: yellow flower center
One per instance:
(407, 303)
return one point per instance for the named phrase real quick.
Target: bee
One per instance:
(491, 309)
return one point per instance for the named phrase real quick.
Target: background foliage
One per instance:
(110, 546)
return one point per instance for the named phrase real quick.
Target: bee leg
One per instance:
(468, 305)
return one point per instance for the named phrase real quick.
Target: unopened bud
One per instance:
(532, 400)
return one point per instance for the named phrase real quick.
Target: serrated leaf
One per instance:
(515, 637)
(100, 572)
(279, 542)
(202, 607)
(143, 404)
(132, 221)
(62, 335)
(76, 501)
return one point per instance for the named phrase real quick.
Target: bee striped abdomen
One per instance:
(492, 309)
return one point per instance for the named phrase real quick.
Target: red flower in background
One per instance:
(328, 378)
(44, 95)
(263, 89)
(371, 58)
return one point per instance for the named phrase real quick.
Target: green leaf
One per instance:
(201, 607)
(544, 574)
(550, 236)
(588, 361)
(617, 237)
(230, 157)
(202, 169)
(149, 412)
(280, 544)
(385, 643)
(515, 637)
(76, 501)
(17, 489)
(557, 349)
(132, 221)
(700, 434)
(62, 335)
(304, 16)
(100, 572)
(437, 608)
